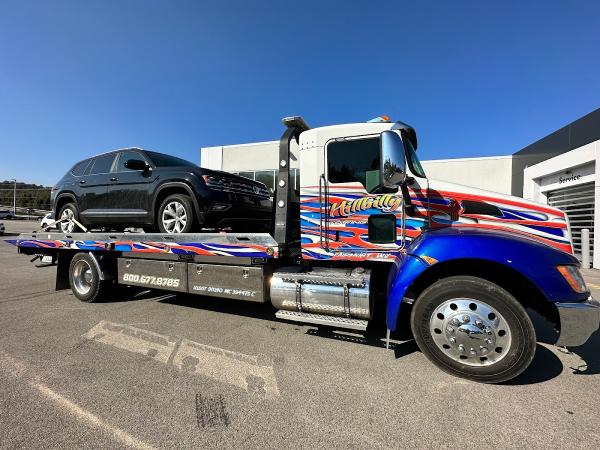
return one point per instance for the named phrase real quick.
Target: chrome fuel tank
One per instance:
(334, 292)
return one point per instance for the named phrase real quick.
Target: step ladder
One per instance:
(320, 319)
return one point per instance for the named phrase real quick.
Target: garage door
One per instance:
(578, 203)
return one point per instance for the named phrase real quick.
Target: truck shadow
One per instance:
(227, 306)
(590, 354)
(544, 367)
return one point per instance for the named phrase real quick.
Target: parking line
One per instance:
(91, 419)
(18, 370)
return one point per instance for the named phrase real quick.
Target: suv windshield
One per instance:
(162, 160)
(413, 160)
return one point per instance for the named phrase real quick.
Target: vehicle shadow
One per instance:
(131, 294)
(590, 353)
(544, 367)
(227, 306)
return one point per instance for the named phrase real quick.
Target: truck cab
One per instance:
(341, 196)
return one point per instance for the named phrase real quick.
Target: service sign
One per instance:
(568, 177)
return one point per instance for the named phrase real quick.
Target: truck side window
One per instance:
(354, 161)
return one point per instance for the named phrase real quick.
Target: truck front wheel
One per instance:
(472, 328)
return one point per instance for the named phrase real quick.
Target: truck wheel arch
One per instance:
(514, 282)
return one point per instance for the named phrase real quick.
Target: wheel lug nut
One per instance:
(461, 348)
(478, 323)
(488, 341)
(452, 339)
(455, 322)
(483, 350)
(466, 318)
(450, 330)
(472, 352)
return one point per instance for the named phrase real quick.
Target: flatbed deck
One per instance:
(192, 246)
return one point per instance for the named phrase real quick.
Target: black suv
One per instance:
(157, 192)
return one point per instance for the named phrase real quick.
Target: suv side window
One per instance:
(124, 157)
(102, 164)
(79, 168)
(355, 160)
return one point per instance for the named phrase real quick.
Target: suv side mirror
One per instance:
(393, 160)
(136, 164)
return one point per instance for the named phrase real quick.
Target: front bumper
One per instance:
(578, 321)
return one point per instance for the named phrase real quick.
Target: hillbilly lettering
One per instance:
(385, 203)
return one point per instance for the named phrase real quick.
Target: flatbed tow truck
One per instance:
(367, 230)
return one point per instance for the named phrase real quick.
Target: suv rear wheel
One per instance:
(176, 214)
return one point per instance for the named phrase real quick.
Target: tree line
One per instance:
(28, 195)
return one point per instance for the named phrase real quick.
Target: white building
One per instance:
(559, 170)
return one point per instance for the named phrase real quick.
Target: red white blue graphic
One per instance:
(179, 248)
(336, 226)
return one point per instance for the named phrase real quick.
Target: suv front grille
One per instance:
(235, 186)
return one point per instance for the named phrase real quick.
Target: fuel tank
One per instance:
(327, 291)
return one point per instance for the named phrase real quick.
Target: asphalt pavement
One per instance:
(154, 370)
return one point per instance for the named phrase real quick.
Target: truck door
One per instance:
(94, 189)
(351, 192)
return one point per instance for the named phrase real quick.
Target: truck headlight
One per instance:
(572, 275)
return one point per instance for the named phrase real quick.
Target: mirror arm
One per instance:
(409, 207)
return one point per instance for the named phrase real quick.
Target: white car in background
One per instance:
(48, 221)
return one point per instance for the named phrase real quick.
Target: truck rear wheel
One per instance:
(84, 278)
(472, 328)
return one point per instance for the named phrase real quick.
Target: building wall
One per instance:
(565, 172)
(572, 136)
(490, 173)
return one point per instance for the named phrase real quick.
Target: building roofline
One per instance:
(474, 158)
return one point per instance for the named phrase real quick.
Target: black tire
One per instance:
(72, 207)
(478, 313)
(167, 203)
(92, 289)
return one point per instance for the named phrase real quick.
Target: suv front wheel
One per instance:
(176, 215)
(68, 213)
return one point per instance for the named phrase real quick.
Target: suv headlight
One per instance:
(573, 276)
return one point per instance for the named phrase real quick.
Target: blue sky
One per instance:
(474, 77)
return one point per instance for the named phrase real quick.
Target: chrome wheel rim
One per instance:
(174, 217)
(82, 277)
(68, 225)
(470, 332)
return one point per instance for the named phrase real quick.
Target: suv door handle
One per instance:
(82, 182)
(114, 179)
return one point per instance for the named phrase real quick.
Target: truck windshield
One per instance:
(413, 160)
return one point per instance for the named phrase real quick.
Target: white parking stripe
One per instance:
(18, 370)
(90, 419)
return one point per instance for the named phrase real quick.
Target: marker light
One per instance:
(380, 119)
(572, 276)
